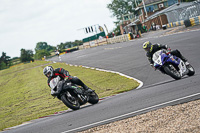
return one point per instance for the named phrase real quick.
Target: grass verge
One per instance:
(25, 95)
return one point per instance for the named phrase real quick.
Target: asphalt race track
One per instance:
(128, 58)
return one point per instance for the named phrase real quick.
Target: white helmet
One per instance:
(48, 71)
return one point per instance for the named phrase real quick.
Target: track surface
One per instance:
(128, 58)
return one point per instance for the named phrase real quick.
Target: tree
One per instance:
(26, 55)
(117, 30)
(3, 65)
(63, 46)
(44, 46)
(122, 7)
(4, 61)
(43, 49)
(78, 43)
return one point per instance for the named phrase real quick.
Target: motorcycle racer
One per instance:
(152, 48)
(51, 73)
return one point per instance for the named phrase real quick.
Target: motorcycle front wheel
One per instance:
(93, 98)
(70, 101)
(171, 71)
(191, 70)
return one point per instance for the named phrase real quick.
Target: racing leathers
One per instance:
(62, 73)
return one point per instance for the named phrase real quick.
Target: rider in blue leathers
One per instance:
(152, 48)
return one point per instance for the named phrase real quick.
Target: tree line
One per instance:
(42, 49)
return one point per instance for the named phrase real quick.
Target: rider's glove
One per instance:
(168, 51)
(66, 79)
(53, 93)
(152, 65)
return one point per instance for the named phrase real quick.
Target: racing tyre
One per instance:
(93, 98)
(191, 70)
(70, 101)
(171, 71)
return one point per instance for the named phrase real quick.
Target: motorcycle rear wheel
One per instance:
(70, 101)
(171, 71)
(93, 98)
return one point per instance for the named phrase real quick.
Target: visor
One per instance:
(147, 49)
(48, 74)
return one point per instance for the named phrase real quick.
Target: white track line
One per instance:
(121, 74)
(131, 113)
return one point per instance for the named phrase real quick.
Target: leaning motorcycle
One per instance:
(171, 65)
(72, 95)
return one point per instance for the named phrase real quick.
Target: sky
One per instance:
(24, 23)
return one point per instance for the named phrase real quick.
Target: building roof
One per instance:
(131, 24)
(169, 9)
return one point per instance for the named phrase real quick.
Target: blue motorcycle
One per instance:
(171, 65)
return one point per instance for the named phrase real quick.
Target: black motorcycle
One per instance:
(72, 95)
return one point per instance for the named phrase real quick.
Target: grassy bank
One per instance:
(25, 95)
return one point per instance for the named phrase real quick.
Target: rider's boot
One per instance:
(87, 90)
(185, 60)
(178, 54)
(77, 81)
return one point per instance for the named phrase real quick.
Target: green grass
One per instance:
(25, 95)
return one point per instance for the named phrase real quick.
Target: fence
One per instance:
(195, 20)
(185, 11)
(188, 22)
(188, 13)
(116, 39)
(174, 24)
(121, 38)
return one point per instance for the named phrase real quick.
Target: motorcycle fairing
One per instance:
(53, 83)
(160, 58)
